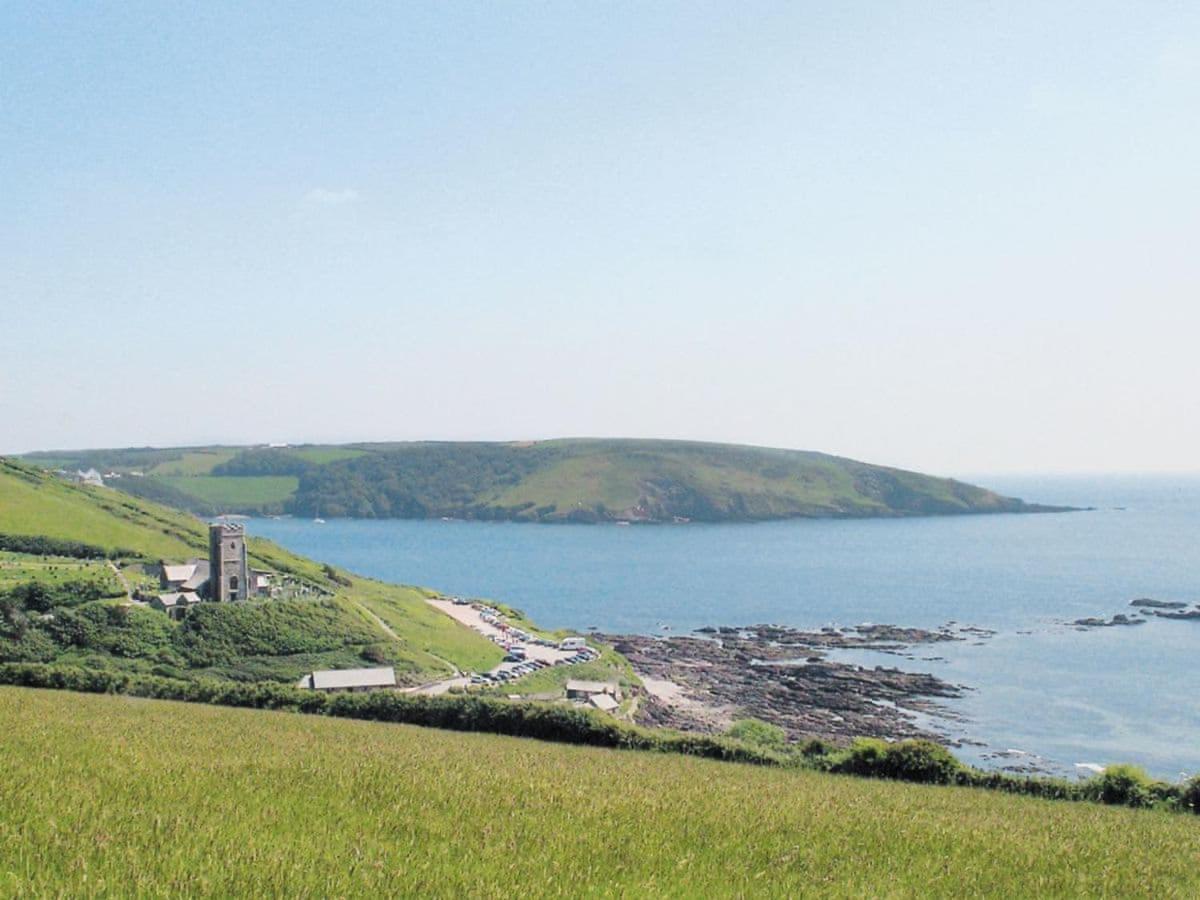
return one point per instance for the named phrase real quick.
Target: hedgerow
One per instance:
(552, 722)
(914, 761)
(38, 545)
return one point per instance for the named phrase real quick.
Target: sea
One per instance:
(1039, 693)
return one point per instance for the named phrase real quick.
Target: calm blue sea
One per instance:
(1038, 685)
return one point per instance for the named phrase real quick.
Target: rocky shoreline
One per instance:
(784, 676)
(802, 681)
(1162, 609)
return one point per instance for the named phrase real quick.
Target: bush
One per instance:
(1189, 796)
(124, 631)
(1123, 785)
(41, 597)
(30, 645)
(332, 574)
(379, 654)
(758, 733)
(920, 761)
(219, 633)
(814, 747)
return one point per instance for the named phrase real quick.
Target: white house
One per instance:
(91, 477)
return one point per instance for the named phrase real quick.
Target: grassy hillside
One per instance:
(584, 480)
(148, 797)
(349, 621)
(224, 492)
(35, 503)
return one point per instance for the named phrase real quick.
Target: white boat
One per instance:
(318, 521)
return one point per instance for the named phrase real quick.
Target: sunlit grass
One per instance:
(241, 491)
(109, 795)
(20, 568)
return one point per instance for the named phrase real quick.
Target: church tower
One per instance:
(229, 576)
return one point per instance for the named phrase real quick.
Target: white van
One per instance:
(572, 643)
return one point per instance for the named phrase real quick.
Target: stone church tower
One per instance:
(229, 576)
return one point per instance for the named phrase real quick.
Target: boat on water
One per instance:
(318, 521)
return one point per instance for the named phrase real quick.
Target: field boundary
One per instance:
(913, 761)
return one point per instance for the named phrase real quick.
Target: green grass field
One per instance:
(193, 462)
(105, 795)
(322, 455)
(425, 630)
(241, 492)
(19, 568)
(33, 503)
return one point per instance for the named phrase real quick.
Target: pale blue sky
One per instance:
(955, 237)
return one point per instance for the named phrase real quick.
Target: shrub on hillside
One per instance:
(1124, 785)
(27, 645)
(920, 761)
(332, 574)
(758, 733)
(39, 596)
(125, 631)
(218, 633)
(380, 654)
(814, 747)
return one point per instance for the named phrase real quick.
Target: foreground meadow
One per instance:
(108, 795)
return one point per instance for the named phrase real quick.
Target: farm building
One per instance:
(350, 679)
(189, 576)
(175, 604)
(586, 690)
(606, 702)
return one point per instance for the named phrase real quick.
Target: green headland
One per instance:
(571, 480)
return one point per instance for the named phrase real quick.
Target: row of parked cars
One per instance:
(528, 666)
(502, 675)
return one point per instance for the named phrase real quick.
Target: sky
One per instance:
(954, 237)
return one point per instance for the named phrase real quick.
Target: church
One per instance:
(222, 578)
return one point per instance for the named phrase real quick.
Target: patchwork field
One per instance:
(108, 795)
(260, 490)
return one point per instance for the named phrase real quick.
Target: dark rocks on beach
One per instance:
(778, 674)
(1158, 604)
(1118, 619)
(1185, 614)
